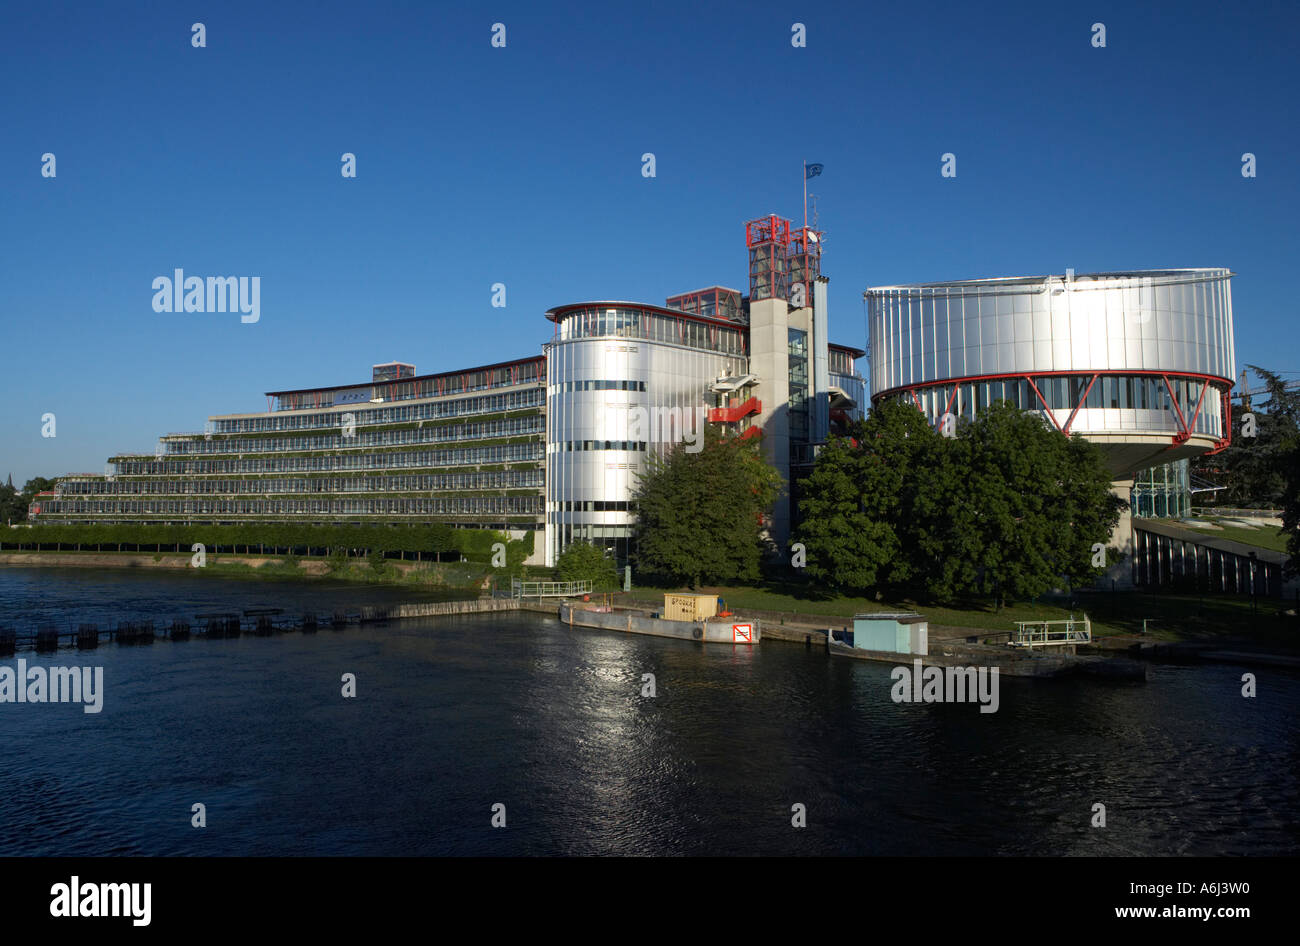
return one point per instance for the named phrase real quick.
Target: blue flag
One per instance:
(811, 170)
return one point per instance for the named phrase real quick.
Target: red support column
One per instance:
(1042, 400)
(1082, 400)
(1182, 421)
(1197, 413)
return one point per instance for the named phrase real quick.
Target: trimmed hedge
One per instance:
(266, 538)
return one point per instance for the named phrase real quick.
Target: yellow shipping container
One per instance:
(690, 607)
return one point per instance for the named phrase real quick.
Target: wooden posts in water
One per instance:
(47, 640)
(263, 620)
(228, 624)
(135, 632)
(221, 625)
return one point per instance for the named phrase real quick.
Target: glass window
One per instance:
(1096, 393)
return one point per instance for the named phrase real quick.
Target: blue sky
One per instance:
(521, 165)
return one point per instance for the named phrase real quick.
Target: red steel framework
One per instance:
(716, 302)
(1181, 436)
(805, 256)
(768, 240)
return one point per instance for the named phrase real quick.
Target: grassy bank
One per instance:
(1169, 617)
(1264, 537)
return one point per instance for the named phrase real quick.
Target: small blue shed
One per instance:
(893, 632)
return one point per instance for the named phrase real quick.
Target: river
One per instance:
(453, 716)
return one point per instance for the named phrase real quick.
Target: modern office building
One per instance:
(1139, 363)
(546, 447)
(463, 447)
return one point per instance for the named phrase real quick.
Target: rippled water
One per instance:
(455, 715)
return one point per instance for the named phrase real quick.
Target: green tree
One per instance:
(1277, 451)
(1007, 507)
(1019, 508)
(1254, 470)
(700, 514)
(857, 507)
(583, 561)
(1290, 460)
(11, 509)
(14, 503)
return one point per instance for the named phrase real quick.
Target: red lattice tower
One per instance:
(768, 240)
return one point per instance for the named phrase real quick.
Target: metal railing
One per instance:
(1237, 513)
(548, 589)
(1052, 633)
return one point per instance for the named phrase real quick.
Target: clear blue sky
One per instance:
(521, 165)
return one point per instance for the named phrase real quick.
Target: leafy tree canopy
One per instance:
(700, 514)
(583, 561)
(1255, 471)
(1006, 507)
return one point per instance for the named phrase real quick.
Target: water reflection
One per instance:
(454, 715)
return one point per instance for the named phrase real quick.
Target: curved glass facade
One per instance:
(1139, 362)
(1173, 320)
(1106, 403)
(648, 324)
(623, 381)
